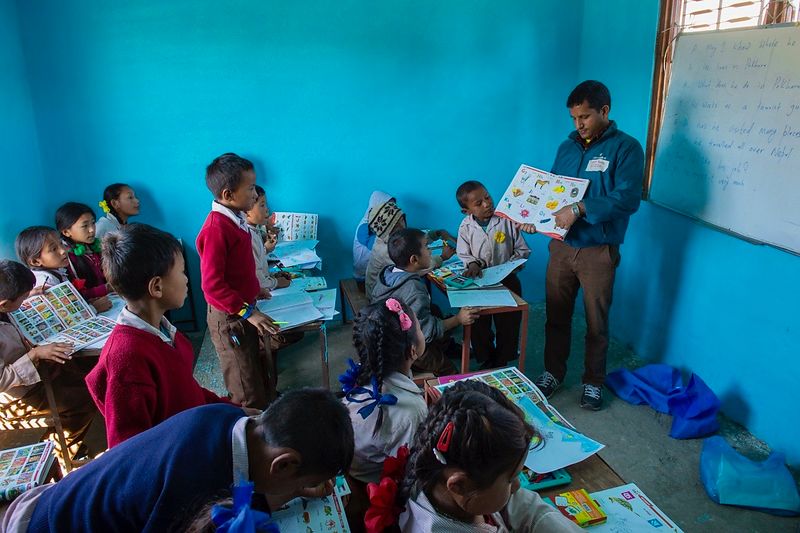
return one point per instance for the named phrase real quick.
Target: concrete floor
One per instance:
(637, 439)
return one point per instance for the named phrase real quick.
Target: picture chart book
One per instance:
(61, 314)
(534, 195)
(295, 226)
(629, 510)
(313, 515)
(23, 468)
(290, 310)
(561, 445)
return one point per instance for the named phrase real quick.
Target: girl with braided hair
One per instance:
(463, 471)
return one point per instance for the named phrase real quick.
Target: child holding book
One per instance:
(485, 240)
(408, 249)
(231, 287)
(159, 480)
(119, 203)
(463, 471)
(75, 223)
(21, 385)
(144, 375)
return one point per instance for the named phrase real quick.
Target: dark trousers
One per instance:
(504, 349)
(592, 269)
(245, 358)
(435, 359)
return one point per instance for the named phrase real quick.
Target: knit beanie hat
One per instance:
(382, 219)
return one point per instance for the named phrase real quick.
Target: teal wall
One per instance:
(686, 294)
(23, 185)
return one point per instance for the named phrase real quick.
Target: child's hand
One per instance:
(467, 315)
(264, 294)
(448, 251)
(101, 304)
(527, 228)
(262, 323)
(320, 491)
(473, 271)
(445, 235)
(57, 352)
(283, 281)
(270, 242)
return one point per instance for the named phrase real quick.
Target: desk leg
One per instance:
(44, 372)
(523, 339)
(323, 346)
(465, 349)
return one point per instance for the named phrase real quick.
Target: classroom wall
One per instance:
(21, 178)
(330, 101)
(686, 294)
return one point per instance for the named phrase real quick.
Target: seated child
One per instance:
(364, 239)
(257, 218)
(231, 287)
(463, 471)
(384, 220)
(144, 374)
(408, 249)
(160, 479)
(484, 240)
(20, 383)
(75, 222)
(119, 204)
(41, 249)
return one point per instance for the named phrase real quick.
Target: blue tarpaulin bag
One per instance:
(732, 479)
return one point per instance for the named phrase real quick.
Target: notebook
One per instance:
(23, 468)
(290, 310)
(60, 314)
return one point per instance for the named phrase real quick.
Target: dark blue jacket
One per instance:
(155, 481)
(613, 195)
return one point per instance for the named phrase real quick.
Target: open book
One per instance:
(61, 315)
(295, 226)
(290, 310)
(534, 195)
(23, 468)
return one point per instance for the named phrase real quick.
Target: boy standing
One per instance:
(408, 249)
(144, 375)
(485, 240)
(20, 383)
(230, 284)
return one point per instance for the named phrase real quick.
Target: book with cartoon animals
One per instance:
(534, 195)
(23, 468)
(60, 314)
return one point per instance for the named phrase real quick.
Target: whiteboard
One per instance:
(729, 149)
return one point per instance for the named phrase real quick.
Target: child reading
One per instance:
(160, 479)
(257, 218)
(20, 383)
(408, 249)
(41, 249)
(119, 203)
(463, 471)
(75, 222)
(231, 287)
(144, 375)
(484, 240)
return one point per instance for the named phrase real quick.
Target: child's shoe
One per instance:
(592, 397)
(547, 383)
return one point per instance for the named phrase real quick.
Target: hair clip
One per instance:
(443, 444)
(395, 307)
(104, 206)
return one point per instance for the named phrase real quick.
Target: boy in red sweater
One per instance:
(144, 375)
(231, 287)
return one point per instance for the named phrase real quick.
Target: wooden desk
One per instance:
(320, 327)
(522, 306)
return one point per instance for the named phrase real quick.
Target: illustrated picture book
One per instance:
(23, 468)
(295, 226)
(313, 515)
(534, 195)
(61, 314)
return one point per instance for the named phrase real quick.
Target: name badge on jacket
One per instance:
(598, 164)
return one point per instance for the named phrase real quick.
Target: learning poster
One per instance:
(295, 226)
(534, 195)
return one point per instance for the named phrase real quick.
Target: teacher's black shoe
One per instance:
(592, 397)
(547, 383)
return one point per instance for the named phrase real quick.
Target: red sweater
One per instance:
(140, 380)
(227, 268)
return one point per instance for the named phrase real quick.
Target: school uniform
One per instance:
(144, 376)
(410, 288)
(398, 425)
(265, 280)
(97, 289)
(49, 277)
(229, 281)
(106, 224)
(525, 511)
(498, 242)
(156, 481)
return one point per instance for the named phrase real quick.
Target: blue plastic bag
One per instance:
(732, 479)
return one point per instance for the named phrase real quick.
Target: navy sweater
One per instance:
(155, 481)
(614, 193)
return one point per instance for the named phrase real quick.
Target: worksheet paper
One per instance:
(481, 298)
(495, 274)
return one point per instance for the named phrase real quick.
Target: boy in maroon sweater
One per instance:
(144, 375)
(231, 286)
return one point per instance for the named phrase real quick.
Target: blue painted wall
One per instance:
(331, 101)
(686, 294)
(21, 179)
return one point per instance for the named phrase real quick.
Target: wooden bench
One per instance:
(353, 296)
